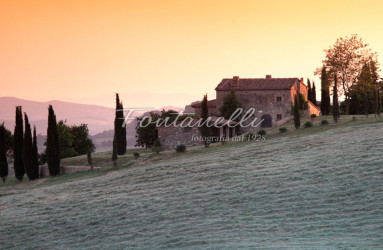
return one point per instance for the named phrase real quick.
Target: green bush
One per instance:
(283, 130)
(136, 154)
(308, 124)
(181, 148)
(261, 132)
(313, 115)
(156, 146)
(324, 122)
(250, 136)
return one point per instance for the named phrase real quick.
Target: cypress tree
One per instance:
(123, 133)
(35, 156)
(325, 93)
(205, 130)
(309, 91)
(53, 148)
(335, 103)
(297, 119)
(314, 94)
(27, 149)
(114, 154)
(18, 163)
(119, 129)
(3, 154)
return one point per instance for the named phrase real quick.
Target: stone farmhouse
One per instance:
(271, 98)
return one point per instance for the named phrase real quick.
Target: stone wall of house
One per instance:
(44, 171)
(172, 136)
(265, 101)
(313, 109)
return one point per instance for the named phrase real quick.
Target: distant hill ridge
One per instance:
(98, 118)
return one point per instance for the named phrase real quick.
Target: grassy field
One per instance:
(314, 188)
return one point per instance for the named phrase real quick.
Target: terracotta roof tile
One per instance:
(256, 84)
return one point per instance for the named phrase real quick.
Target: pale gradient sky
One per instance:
(85, 51)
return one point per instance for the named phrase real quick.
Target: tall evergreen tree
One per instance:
(18, 163)
(114, 154)
(3, 154)
(35, 156)
(314, 94)
(297, 118)
(27, 149)
(309, 91)
(53, 147)
(119, 129)
(325, 93)
(205, 130)
(335, 103)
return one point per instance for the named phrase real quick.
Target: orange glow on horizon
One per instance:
(85, 51)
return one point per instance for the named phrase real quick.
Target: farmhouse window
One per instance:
(279, 99)
(279, 116)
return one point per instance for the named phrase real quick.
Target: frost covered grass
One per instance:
(297, 190)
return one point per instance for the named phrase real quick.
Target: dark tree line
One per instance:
(366, 95)
(24, 145)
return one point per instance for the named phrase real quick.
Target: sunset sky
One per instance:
(160, 53)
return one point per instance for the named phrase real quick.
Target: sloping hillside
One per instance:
(320, 190)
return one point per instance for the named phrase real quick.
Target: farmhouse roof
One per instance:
(267, 83)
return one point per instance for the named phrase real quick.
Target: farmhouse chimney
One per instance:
(235, 81)
(268, 77)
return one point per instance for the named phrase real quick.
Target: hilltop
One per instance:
(318, 187)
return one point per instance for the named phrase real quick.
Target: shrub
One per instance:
(313, 115)
(308, 124)
(261, 132)
(324, 122)
(353, 118)
(156, 146)
(283, 130)
(181, 148)
(250, 136)
(136, 154)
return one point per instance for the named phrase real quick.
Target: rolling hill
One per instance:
(316, 188)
